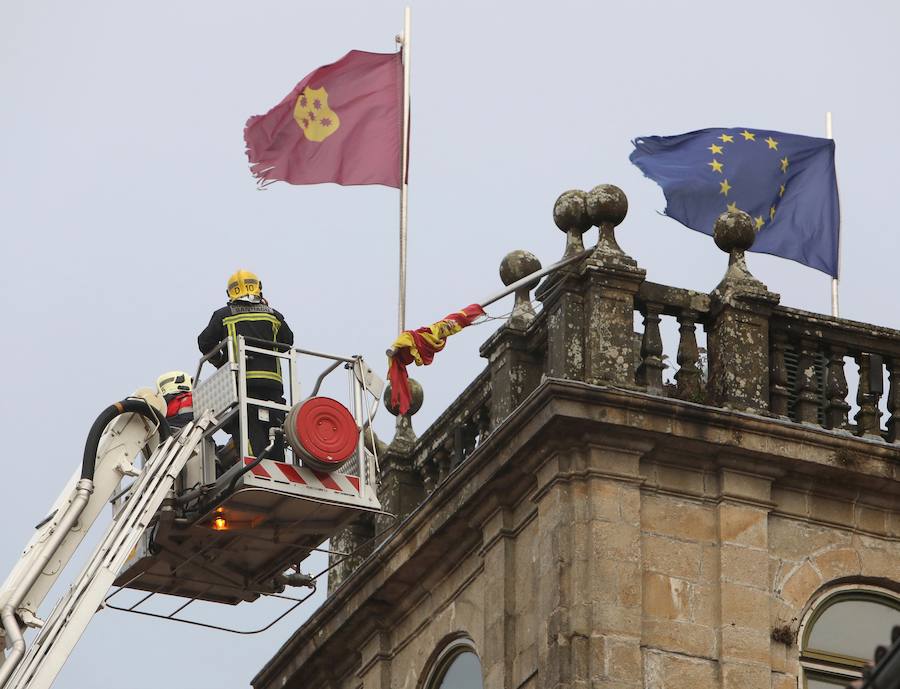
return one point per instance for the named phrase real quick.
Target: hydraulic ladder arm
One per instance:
(57, 537)
(74, 611)
(73, 513)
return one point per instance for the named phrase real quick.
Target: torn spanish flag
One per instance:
(420, 346)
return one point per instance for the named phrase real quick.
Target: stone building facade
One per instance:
(572, 520)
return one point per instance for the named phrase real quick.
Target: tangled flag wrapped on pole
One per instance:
(420, 346)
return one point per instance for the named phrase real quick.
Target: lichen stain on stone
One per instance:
(574, 349)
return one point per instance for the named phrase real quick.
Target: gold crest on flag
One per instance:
(316, 119)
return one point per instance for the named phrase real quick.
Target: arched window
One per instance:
(456, 667)
(840, 634)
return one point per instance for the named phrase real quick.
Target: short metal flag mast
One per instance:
(404, 41)
(835, 311)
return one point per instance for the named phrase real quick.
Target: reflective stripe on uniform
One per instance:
(269, 375)
(230, 323)
(252, 317)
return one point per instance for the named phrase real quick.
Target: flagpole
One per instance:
(404, 167)
(835, 311)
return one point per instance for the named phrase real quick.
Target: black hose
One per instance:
(190, 495)
(248, 467)
(214, 493)
(126, 406)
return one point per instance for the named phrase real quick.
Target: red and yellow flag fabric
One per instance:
(420, 346)
(342, 123)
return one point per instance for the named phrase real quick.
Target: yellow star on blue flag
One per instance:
(785, 182)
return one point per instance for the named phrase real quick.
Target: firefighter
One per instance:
(175, 387)
(249, 314)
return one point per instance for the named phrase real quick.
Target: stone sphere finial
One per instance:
(570, 215)
(516, 265)
(570, 211)
(734, 231)
(734, 234)
(417, 395)
(607, 205)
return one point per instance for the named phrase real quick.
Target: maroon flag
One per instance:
(341, 124)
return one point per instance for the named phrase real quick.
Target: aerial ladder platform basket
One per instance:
(231, 538)
(193, 522)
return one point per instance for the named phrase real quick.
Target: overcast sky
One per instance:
(125, 201)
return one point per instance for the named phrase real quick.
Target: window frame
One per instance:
(827, 666)
(445, 658)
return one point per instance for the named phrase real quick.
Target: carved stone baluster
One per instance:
(893, 402)
(688, 375)
(466, 435)
(779, 392)
(807, 399)
(649, 373)
(836, 390)
(445, 458)
(483, 423)
(868, 418)
(429, 473)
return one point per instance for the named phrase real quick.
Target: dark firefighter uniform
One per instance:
(264, 381)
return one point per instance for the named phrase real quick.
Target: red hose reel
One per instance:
(322, 433)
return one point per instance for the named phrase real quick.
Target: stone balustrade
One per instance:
(762, 358)
(809, 382)
(690, 309)
(454, 435)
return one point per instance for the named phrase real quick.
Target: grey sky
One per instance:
(125, 200)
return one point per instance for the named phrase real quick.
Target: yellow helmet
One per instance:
(174, 381)
(243, 284)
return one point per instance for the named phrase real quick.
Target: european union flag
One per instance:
(786, 183)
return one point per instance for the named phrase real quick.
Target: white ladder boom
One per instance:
(58, 536)
(65, 625)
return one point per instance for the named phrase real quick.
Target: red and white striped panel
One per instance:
(280, 472)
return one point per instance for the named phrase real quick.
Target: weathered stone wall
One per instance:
(614, 558)
(817, 541)
(587, 525)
